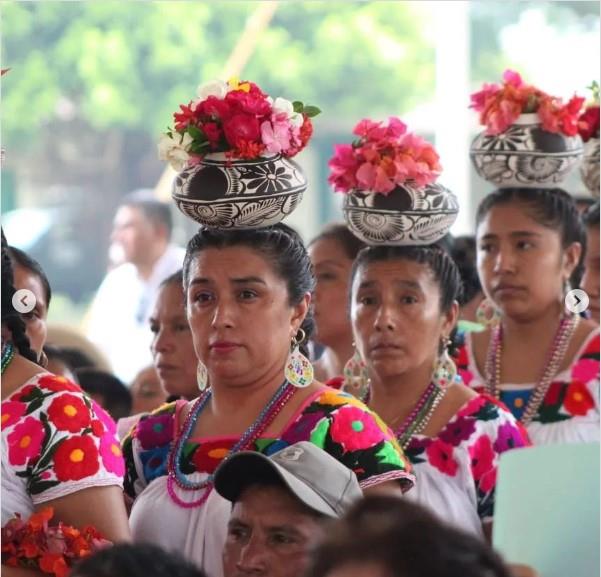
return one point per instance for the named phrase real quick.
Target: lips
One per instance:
(384, 348)
(222, 347)
(508, 289)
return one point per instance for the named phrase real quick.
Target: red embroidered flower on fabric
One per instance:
(440, 455)
(104, 418)
(69, 413)
(24, 393)
(209, 456)
(483, 463)
(76, 458)
(58, 384)
(112, 457)
(11, 412)
(354, 429)
(553, 392)
(25, 441)
(578, 401)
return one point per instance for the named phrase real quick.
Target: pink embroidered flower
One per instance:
(483, 463)
(472, 406)
(155, 430)
(11, 412)
(25, 441)
(105, 419)
(457, 431)
(112, 458)
(440, 455)
(586, 370)
(508, 437)
(355, 429)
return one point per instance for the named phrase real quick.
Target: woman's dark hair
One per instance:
(17, 256)
(279, 244)
(404, 539)
(135, 560)
(343, 236)
(176, 278)
(12, 319)
(463, 252)
(590, 217)
(434, 257)
(117, 397)
(552, 208)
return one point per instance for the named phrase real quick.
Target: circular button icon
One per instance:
(576, 301)
(24, 301)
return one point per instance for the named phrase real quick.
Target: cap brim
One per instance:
(249, 468)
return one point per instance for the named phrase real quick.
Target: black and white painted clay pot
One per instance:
(222, 193)
(525, 155)
(409, 215)
(589, 168)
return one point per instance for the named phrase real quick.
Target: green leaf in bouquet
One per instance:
(311, 111)
(298, 106)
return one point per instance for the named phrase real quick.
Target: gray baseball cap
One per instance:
(312, 475)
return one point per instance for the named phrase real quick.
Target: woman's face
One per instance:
(332, 271)
(35, 321)
(172, 347)
(147, 392)
(396, 317)
(239, 312)
(521, 264)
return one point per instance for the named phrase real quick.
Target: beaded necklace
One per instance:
(566, 329)
(174, 472)
(8, 354)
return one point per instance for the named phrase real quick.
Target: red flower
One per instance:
(355, 429)
(440, 455)
(69, 413)
(552, 396)
(58, 384)
(207, 458)
(24, 393)
(578, 401)
(212, 132)
(252, 102)
(241, 127)
(97, 428)
(214, 108)
(76, 458)
(11, 412)
(25, 441)
(483, 463)
(306, 131)
(54, 564)
(184, 118)
(246, 149)
(588, 123)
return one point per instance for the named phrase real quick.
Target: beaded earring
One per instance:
(488, 314)
(356, 377)
(202, 376)
(445, 370)
(299, 370)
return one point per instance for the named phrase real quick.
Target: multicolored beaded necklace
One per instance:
(566, 329)
(174, 472)
(8, 354)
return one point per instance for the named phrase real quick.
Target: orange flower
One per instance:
(54, 564)
(40, 519)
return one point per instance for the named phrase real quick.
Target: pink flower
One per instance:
(483, 466)
(25, 441)
(512, 78)
(254, 103)
(104, 418)
(440, 455)
(275, 135)
(11, 412)
(480, 100)
(112, 458)
(355, 429)
(584, 370)
(241, 127)
(343, 167)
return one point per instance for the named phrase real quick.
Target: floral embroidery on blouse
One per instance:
(57, 436)
(334, 421)
(484, 429)
(564, 400)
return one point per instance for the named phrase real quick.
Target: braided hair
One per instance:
(552, 208)
(11, 319)
(279, 244)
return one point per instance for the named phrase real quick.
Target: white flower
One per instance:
(175, 150)
(296, 119)
(283, 105)
(216, 88)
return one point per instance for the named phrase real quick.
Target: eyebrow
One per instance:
(237, 281)
(514, 234)
(402, 283)
(328, 262)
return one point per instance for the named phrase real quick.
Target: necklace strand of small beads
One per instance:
(566, 329)
(174, 474)
(8, 354)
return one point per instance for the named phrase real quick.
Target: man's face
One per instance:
(270, 533)
(134, 233)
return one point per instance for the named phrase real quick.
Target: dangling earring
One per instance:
(299, 370)
(43, 360)
(356, 377)
(445, 370)
(488, 314)
(202, 376)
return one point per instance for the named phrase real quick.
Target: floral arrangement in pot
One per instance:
(588, 127)
(232, 149)
(388, 176)
(531, 138)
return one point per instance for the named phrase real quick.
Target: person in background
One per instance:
(118, 318)
(332, 254)
(463, 252)
(172, 347)
(147, 392)
(281, 506)
(139, 560)
(59, 363)
(80, 352)
(386, 537)
(590, 280)
(28, 274)
(107, 390)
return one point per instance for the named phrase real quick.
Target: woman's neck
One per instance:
(334, 358)
(540, 330)
(394, 398)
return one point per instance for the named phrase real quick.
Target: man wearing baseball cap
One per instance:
(281, 505)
